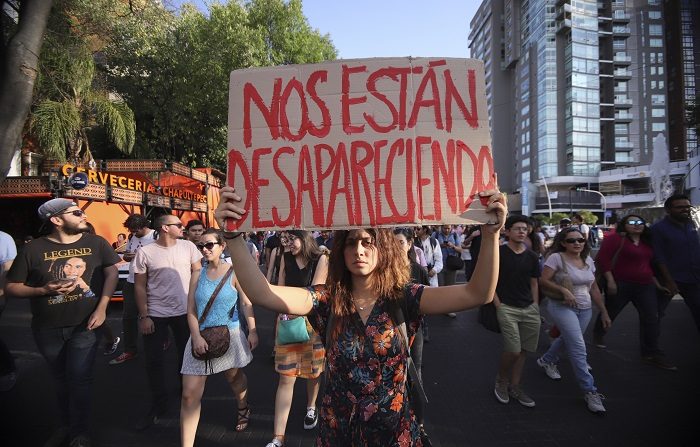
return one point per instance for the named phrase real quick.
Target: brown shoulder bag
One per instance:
(217, 337)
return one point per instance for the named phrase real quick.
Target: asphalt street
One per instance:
(646, 406)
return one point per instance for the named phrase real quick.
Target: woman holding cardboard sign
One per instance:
(366, 400)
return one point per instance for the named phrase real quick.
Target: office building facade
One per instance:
(578, 92)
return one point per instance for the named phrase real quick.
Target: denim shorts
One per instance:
(520, 327)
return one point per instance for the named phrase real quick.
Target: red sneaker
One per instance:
(123, 357)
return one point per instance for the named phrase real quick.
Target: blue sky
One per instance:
(380, 28)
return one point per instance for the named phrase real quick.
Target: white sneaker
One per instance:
(501, 391)
(550, 369)
(311, 418)
(594, 401)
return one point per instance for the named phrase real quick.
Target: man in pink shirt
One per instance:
(162, 272)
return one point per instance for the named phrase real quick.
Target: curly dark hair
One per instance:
(135, 222)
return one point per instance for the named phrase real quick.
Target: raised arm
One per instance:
(321, 271)
(482, 287)
(290, 300)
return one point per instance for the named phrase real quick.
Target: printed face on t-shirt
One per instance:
(74, 267)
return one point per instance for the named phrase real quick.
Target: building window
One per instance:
(654, 14)
(655, 30)
(658, 127)
(658, 112)
(658, 100)
(658, 43)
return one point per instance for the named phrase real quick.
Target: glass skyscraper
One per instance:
(577, 89)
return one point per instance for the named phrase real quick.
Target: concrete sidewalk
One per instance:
(646, 406)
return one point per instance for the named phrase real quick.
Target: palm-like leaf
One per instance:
(55, 124)
(118, 120)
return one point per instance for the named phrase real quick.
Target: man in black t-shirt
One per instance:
(55, 273)
(517, 308)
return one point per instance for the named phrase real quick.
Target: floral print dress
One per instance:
(366, 403)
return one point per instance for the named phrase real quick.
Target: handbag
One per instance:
(562, 278)
(600, 274)
(453, 262)
(487, 317)
(217, 337)
(292, 330)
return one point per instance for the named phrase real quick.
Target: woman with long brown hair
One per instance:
(366, 400)
(568, 280)
(625, 260)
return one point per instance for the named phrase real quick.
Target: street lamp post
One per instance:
(549, 201)
(602, 198)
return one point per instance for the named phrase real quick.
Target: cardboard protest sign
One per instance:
(360, 143)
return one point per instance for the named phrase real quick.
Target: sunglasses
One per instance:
(635, 222)
(209, 246)
(179, 225)
(572, 240)
(76, 213)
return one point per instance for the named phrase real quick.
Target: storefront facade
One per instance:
(114, 190)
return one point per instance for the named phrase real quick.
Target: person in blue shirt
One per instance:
(449, 243)
(677, 254)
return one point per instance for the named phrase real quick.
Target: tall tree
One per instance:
(72, 103)
(174, 72)
(20, 58)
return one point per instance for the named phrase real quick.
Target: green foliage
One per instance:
(118, 120)
(588, 217)
(71, 99)
(54, 124)
(174, 70)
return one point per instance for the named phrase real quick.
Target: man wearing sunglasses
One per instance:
(162, 272)
(50, 272)
(677, 255)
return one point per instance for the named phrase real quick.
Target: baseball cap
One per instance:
(54, 207)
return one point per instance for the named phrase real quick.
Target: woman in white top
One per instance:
(568, 280)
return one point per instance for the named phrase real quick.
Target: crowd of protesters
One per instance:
(360, 297)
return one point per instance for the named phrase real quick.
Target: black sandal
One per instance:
(243, 418)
